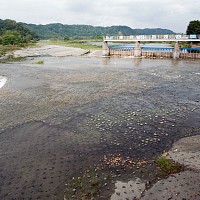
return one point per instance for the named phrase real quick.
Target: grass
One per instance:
(74, 43)
(32, 45)
(168, 166)
(86, 186)
(40, 62)
(7, 48)
(11, 59)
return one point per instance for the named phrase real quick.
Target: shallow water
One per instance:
(74, 113)
(3, 81)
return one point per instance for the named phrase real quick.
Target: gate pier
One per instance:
(106, 50)
(176, 52)
(137, 50)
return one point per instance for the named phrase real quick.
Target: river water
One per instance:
(74, 114)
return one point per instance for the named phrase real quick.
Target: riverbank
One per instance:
(182, 185)
(49, 48)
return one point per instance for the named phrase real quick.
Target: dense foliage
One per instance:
(81, 31)
(13, 33)
(193, 27)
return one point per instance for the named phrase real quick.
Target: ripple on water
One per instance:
(3, 81)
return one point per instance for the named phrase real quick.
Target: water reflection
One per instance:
(106, 61)
(175, 62)
(137, 62)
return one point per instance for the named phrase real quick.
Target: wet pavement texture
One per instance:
(187, 151)
(73, 113)
(185, 185)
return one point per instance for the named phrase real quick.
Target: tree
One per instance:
(193, 27)
(66, 37)
(11, 38)
(21, 28)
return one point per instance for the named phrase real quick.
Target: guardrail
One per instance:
(153, 37)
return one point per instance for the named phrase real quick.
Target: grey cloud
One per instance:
(173, 14)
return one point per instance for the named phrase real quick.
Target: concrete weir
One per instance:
(138, 52)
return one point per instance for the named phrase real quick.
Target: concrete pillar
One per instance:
(137, 50)
(106, 50)
(176, 52)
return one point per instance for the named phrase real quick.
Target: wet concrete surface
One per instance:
(187, 151)
(182, 186)
(74, 113)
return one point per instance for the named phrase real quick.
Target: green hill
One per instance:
(80, 31)
(11, 25)
(57, 30)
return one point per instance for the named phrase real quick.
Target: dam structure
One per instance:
(138, 51)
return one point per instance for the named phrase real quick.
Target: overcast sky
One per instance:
(170, 14)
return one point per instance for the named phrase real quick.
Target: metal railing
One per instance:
(153, 37)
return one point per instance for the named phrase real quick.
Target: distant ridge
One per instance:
(58, 30)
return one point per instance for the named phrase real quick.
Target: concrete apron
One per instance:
(181, 186)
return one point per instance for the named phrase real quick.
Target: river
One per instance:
(73, 115)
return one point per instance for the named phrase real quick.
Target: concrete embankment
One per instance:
(183, 186)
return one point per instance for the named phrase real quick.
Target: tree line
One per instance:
(13, 33)
(87, 31)
(17, 33)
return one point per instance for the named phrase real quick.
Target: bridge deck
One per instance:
(153, 38)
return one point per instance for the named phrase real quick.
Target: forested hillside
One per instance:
(12, 28)
(15, 33)
(78, 31)
(29, 32)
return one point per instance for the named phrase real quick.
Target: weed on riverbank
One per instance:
(11, 59)
(40, 62)
(86, 186)
(167, 166)
(7, 48)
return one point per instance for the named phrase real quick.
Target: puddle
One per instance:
(129, 190)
